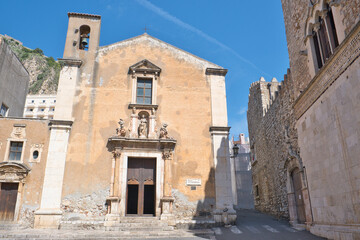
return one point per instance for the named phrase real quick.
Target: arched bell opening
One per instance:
(84, 37)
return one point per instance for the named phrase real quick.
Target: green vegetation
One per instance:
(49, 68)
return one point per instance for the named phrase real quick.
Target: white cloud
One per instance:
(242, 111)
(180, 23)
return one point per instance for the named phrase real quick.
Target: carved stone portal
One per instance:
(13, 172)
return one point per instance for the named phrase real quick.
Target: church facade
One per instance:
(140, 129)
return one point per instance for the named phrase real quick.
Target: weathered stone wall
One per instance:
(14, 81)
(273, 140)
(36, 136)
(296, 13)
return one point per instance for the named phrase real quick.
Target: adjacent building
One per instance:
(304, 132)
(14, 82)
(140, 129)
(242, 169)
(40, 106)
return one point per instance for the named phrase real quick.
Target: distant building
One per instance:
(14, 82)
(40, 106)
(242, 168)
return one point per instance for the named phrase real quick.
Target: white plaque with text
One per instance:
(193, 182)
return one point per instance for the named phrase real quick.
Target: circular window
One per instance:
(35, 154)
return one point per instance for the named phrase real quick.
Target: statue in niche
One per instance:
(163, 132)
(120, 131)
(142, 129)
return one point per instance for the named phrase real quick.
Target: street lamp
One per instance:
(235, 150)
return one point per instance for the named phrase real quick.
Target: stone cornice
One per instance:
(60, 124)
(143, 106)
(343, 57)
(219, 129)
(86, 15)
(216, 71)
(142, 143)
(70, 62)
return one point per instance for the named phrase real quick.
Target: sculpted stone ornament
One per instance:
(166, 155)
(163, 132)
(142, 129)
(116, 153)
(121, 132)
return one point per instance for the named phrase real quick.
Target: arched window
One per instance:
(84, 37)
(324, 36)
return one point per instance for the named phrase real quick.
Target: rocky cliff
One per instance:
(44, 71)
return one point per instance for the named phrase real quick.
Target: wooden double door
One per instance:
(8, 196)
(299, 199)
(141, 186)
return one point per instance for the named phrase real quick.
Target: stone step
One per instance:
(102, 235)
(82, 225)
(11, 226)
(138, 219)
(140, 228)
(145, 224)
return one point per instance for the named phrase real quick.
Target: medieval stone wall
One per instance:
(273, 140)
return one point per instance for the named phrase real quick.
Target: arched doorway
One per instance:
(299, 199)
(12, 179)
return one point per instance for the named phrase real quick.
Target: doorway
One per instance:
(299, 200)
(141, 180)
(8, 196)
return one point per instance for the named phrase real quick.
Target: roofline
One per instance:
(154, 38)
(83, 15)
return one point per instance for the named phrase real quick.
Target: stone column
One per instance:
(49, 214)
(113, 201)
(167, 200)
(133, 125)
(152, 124)
(224, 212)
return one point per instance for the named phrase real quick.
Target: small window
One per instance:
(257, 195)
(35, 154)
(55, 101)
(52, 109)
(15, 151)
(32, 101)
(43, 101)
(4, 110)
(144, 91)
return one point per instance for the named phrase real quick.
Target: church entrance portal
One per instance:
(141, 180)
(8, 196)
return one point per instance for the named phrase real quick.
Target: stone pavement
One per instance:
(48, 234)
(253, 225)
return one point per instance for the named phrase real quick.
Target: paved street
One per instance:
(256, 226)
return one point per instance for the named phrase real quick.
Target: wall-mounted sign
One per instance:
(193, 182)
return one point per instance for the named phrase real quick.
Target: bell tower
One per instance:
(83, 35)
(82, 42)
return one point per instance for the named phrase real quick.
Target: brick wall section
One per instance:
(268, 120)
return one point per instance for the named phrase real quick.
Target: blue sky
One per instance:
(246, 37)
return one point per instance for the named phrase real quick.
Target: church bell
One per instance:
(84, 41)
